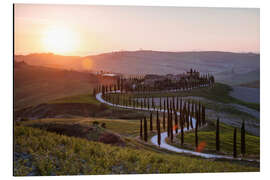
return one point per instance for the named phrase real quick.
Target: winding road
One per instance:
(163, 143)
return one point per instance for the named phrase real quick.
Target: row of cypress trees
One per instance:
(243, 139)
(177, 121)
(127, 84)
(171, 114)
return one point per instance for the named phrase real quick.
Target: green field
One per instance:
(208, 135)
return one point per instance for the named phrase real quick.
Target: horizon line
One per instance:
(140, 50)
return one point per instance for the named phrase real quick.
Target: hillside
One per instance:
(40, 152)
(223, 64)
(34, 84)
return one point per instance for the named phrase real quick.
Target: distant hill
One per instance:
(34, 85)
(223, 64)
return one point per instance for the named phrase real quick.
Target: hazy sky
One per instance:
(96, 29)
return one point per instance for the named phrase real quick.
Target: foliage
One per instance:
(52, 154)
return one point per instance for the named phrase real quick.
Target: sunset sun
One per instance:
(60, 40)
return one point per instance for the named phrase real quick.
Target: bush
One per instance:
(95, 123)
(103, 125)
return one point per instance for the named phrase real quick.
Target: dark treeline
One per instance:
(149, 83)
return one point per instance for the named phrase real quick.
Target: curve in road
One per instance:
(163, 143)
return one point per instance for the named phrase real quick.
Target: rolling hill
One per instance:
(225, 65)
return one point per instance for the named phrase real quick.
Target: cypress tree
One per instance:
(164, 105)
(243, 139)
(187, 116)
(148, 104)
(168, 123)
(171, 126)
(196, 131)
(141, 129)
(151, 123)
(200, 119)
(203, 115)
(164, 119)
(167, 102)
(234, 143)
(160, 104)
(153, 104)
(182, 128)
(176, 122)
(191, 123)
(217, 136)
(145, 130)
(158, 129)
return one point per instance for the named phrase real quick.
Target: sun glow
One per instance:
(60, 40)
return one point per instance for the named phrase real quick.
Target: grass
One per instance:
(122, 127)
(35, 85)
(43, 153)
(208, 135)
(220, 93)
(82, 98)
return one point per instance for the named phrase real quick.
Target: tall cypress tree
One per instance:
(243, 139)
(145, 130)
(168, 123)
(151, 122)
(148, 104)
(164, 119)
(217, 136)
(196, 131)
(190, 121)
(176, 122)
(160, 104)
(182, 128)
(164, 105)
(200, 119)
(187, 116)
(158, 129)
(153, 103)
(177, 103)
(171, 126)
(234, 143)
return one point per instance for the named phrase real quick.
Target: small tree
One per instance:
(217, 136)
(234, 143)
(243, 139)
(145, 130)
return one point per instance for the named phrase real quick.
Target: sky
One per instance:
(84, 29)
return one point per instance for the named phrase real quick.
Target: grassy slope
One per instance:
(82, 98)
(122, 127)
(35, 85)
(43, 153)
(208, 135)
(219, 93)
